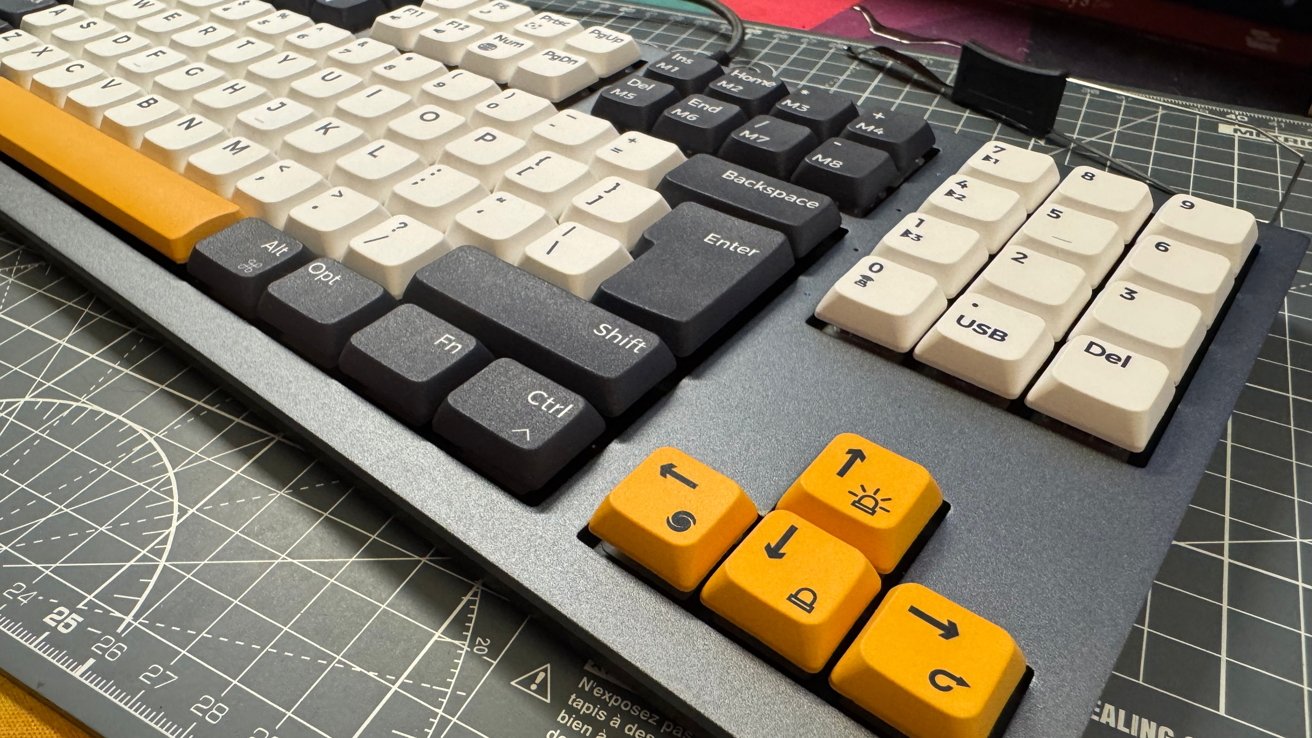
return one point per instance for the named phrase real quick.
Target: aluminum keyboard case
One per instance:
(1053, 540)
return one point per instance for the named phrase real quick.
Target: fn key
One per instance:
(516, 426)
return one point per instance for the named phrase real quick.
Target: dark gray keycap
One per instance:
(603, 357)
(318, 307)
(238, 263)
(634, 103)
(685, 71)
(824, 112)
(804, 216)
(409, 360)
(353, 15)
(854, 175)
(696, 271)
(753, 90)
(12, 11)
(905, 137)
(769, 145)
(515, 426)
(698, 124)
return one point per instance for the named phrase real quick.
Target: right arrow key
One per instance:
(931, 668)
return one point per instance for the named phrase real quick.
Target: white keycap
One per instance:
(372, 108)
(200, 8)
(222, 102)
(513, 111)
(42, 23)
(236, 55)
(327, 222)
(128, 122)
(1173, 268)
(553, 74)
(637, 157)
(1114, 393)
(426, 130)
(1143, 320)
(270, 122)
(459, 91)
(128, 12)
(361, 55)
(144, 66)
(446, 41)
(548, 179)
(884, 302)
(576, 135)
(987, 343)
(391, 252)
(407, 72)
(161, 27)
(316, 41)
(484, 153)
(500, 224)
(172, 143)
(1052, 289)
(322, 89)
(240, 12)
(452, 8)
(989, 210)
(495, 56)
(275, 27)
(277, 72)
(197, 40)
(73, 37)
(182, 83)
(89, 103)
(15, 40)
(1087, 241)
(1227, 231)
(94, 8)
(105, 52)
(375, 168)
(20, 66)
(270, 193)
(607, 50)
(575, 258)
(1124, 201)
(219, 167)
(54, 84)
(1030, 174)
(401, 27)
(618, 208)
(949, 253)
(499, 15)
(435, 195)
(320, 144)
(546, 27)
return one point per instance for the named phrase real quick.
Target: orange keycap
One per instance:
(793, 587)
(870, 497)
(675, 516)
(929, 667)
(165, 210)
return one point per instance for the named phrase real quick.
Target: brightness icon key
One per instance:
(674, 516)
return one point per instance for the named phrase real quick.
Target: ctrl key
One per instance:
(515, 426)
(930, 668)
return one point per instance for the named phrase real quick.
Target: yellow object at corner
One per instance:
(23, 715)
(675, 516)
(929, 667)
(873, 499)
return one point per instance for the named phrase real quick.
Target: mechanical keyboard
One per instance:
(803, 412)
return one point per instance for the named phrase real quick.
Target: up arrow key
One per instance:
(853, 456)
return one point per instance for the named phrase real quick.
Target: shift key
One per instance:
(603, 357)
(804, 216)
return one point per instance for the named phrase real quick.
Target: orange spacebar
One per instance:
(152, 202)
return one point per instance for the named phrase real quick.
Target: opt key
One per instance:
(794, 587)
(929, 667)
(675, 516)
(875, 500)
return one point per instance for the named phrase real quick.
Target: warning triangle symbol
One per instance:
(537, 683)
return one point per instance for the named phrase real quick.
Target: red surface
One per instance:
(792, 13)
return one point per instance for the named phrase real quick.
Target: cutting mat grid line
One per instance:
(286, 602)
